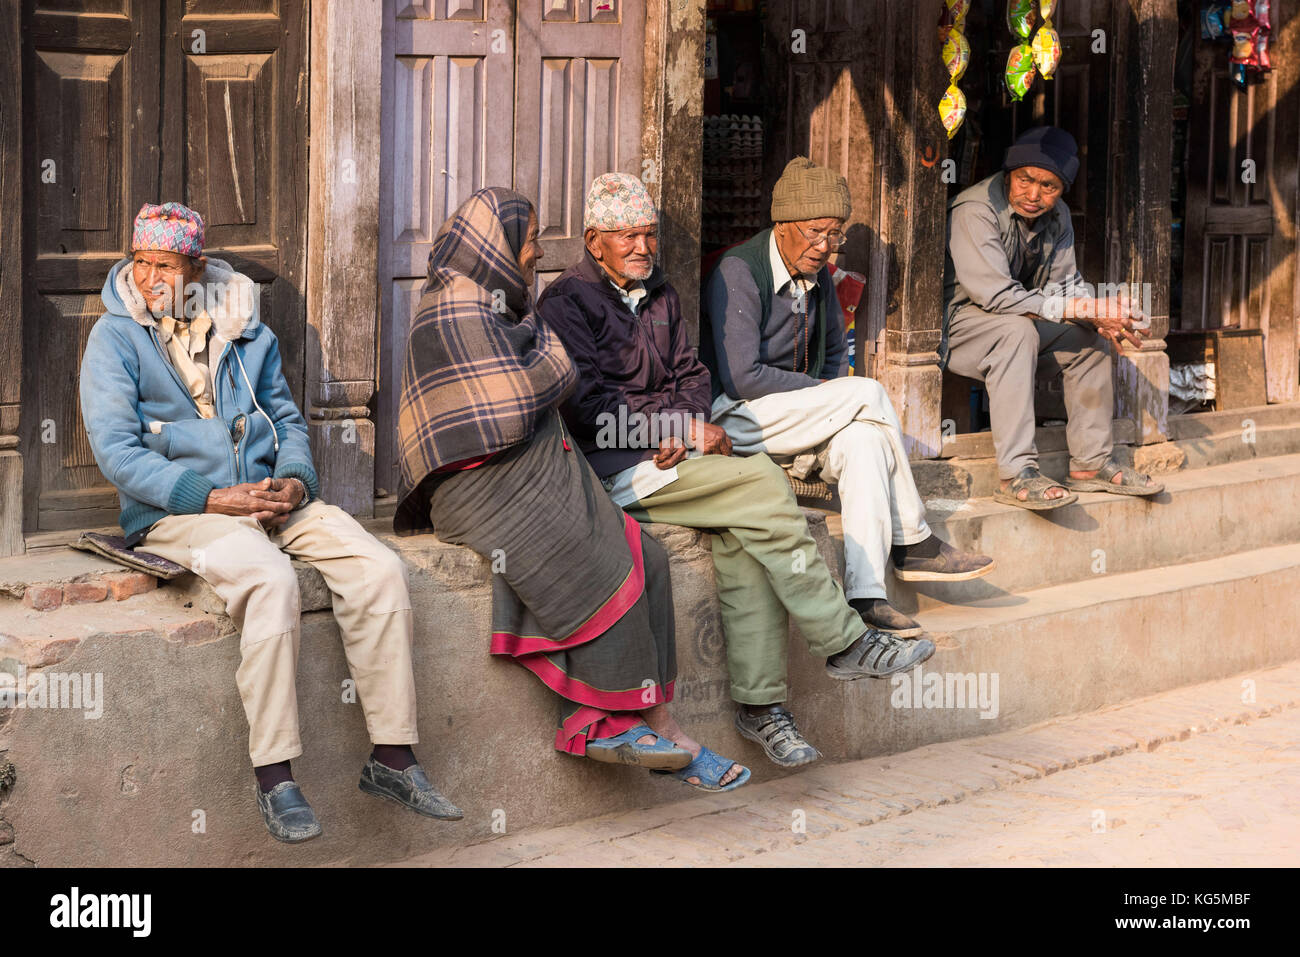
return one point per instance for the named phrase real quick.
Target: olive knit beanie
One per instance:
(808, 191)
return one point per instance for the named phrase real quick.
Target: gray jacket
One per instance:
(999, 262)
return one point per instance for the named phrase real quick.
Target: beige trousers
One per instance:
(849, 428)
(250, 570)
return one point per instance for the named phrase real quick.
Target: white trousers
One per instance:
(849, 425)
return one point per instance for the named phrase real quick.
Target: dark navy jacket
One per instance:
(642, 364)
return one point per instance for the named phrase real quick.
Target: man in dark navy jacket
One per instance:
(640, 412)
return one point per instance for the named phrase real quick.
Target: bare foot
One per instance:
(665, 725)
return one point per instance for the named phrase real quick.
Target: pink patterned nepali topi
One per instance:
(170, 227)
(618, 201)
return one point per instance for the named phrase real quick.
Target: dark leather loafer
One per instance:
(410, 788)
(950, 565)
(287, 814)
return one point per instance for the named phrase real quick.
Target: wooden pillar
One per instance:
(11, 280)
(342, 248)
(913, 225)
(1146, 36)
(1282, 330)
(672, 141)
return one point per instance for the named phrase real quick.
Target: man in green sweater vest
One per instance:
(774, 341)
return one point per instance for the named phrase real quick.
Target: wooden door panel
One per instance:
(228, 103)
(1229, 250)
(241, 115)
(87, 75)
(577, 111)
(447, 131)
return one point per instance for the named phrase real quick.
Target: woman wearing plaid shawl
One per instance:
(582, 596)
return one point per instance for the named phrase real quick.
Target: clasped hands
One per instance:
(708, 438)
(269, 501)
(1112, 318)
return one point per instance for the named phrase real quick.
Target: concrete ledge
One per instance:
(170, 748)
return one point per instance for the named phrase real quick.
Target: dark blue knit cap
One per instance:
(1048, 147)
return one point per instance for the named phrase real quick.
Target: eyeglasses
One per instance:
(834, 237)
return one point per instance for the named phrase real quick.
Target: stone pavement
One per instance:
(1207, 775)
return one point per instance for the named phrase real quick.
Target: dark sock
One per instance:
(923, 550)
(753, 709)
(865, 606)
(269, 775)
(398, 757)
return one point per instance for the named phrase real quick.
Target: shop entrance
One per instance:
(784, 79)
(1076, 99)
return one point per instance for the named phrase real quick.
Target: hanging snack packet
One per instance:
(952, 109)
(956, 54)
(953, 18)
(1214, 22)
(1263, 16)
(1020, 71)
(1243, 47)
(1020, 17)
(1262, 61)
(1046, 8)
(1047, 50)
(1239, 75)
(1241, 11)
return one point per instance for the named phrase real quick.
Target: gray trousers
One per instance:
(1005, 352)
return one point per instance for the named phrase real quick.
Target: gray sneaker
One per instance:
(878, 654)
(775, 731)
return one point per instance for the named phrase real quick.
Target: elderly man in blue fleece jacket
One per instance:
(640, 414)
(774, 340)
(190, 418)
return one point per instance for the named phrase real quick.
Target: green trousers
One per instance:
(766, 564)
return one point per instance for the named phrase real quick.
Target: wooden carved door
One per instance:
(127, 102)
(541, 96)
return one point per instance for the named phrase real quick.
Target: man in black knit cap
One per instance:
(1015, 305)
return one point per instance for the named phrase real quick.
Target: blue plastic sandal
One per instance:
(710, 767)
(623, 748)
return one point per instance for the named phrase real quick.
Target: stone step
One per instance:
(1047, 438)
(1202, 514)
(1201, 440)
(125, 788)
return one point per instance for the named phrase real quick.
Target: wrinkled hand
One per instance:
(269, 501)
(1116, 321)
(287, 490)
(1117, 326)
(710, 439)
(672, 451)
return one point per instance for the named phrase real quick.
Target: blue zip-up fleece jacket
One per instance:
(144, 427)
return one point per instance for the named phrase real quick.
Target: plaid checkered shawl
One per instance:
(481, 367)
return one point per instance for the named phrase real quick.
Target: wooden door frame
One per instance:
(12, 169)
(343, 282)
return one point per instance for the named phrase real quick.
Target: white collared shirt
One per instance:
(781, 277)
(632, 295)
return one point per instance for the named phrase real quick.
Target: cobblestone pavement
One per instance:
(1207, 775)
